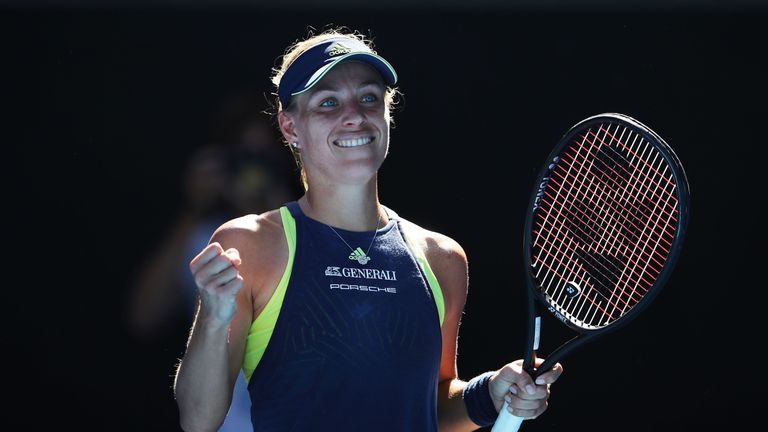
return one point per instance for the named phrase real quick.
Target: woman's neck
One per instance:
(350, 207)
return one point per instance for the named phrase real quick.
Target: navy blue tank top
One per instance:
(356, 347)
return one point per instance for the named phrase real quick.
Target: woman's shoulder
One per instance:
(438, 247)
(259, 238)
(251, 227)
(447, 260)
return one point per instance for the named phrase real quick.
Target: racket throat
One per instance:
(529, 360)
(536, 333)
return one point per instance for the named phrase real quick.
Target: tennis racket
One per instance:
(603, 231)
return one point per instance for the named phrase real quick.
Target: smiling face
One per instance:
(341, 125)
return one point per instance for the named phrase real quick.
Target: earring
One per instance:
(295, 145)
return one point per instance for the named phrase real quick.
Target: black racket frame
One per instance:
(536, 297)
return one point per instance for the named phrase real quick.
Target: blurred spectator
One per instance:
(164, 291)
(246, 171)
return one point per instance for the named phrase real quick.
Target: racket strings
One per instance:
(593, 265)
(609, 175)
(626, 228)
(655, 220)
(585, 224)
(625, 204)
(611, 207)
(668, 179)
(603, 276)
(572, 267)
(614, 164)
(652, 189)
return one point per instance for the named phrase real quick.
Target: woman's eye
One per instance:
(329, 103)
(369, 98)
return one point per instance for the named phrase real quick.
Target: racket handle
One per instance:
(507, 422)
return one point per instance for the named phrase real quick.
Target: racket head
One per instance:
(605, 223)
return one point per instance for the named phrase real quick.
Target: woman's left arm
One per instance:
(449, 263)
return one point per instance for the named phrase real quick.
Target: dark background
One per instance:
(103, 104)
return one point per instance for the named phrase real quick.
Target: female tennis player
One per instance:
(341, 314)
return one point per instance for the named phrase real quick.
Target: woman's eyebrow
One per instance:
(326, 87)
(371, 82)
(322, 87)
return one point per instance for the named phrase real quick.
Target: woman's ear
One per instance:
(287, 126)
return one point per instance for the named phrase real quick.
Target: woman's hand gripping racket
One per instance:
(603, 230)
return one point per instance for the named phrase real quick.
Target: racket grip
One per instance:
(507, 422)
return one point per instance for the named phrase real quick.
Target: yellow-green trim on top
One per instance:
(434, 285)
(262, 327)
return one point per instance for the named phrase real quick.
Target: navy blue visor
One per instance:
(312, 65)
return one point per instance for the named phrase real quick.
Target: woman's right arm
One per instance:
(207, 373)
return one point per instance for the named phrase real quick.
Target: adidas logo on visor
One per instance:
(337, 49)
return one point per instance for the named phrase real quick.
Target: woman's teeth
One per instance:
(353, 142)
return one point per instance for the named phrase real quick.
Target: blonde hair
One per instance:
(299, 47)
